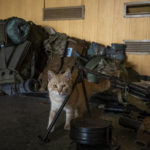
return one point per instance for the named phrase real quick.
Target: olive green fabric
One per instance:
(8, 76)
(56, 44)
(36, 36)
(11, 60)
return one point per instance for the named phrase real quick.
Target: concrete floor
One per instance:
(23, 119)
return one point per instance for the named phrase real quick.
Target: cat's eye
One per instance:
(54, 86)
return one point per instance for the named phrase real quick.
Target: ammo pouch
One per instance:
(96, 49)
(11, 61)
(116, 51)
(92, 64)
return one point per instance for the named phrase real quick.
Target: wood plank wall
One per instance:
(104, 22)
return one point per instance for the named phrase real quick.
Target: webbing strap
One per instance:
(2, 59)
(19, 54)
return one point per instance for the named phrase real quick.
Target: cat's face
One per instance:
(59, 85)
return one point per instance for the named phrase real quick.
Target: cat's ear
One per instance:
(67, 74)
(51, 75)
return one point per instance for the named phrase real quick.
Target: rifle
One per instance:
(136, 90)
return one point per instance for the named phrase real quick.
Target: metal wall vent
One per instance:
(64, 13)
(137, 46)
(137, 9)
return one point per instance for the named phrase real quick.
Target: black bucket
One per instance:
(91, 134)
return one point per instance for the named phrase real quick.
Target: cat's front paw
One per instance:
(67, 127)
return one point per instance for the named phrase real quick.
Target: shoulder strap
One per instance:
(2, 59)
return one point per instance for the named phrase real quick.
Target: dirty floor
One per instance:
(23, 119)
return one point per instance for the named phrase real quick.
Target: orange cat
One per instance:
(60, 86)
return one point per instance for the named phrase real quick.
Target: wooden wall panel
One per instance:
(104, 22)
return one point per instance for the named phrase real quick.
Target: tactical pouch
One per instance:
(118, 47)
(116, 51)
(96, 49)
(92, 64)
(8, 76)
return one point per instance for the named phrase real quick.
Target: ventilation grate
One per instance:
(137, 9)
(142, 46)
(63, 13)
